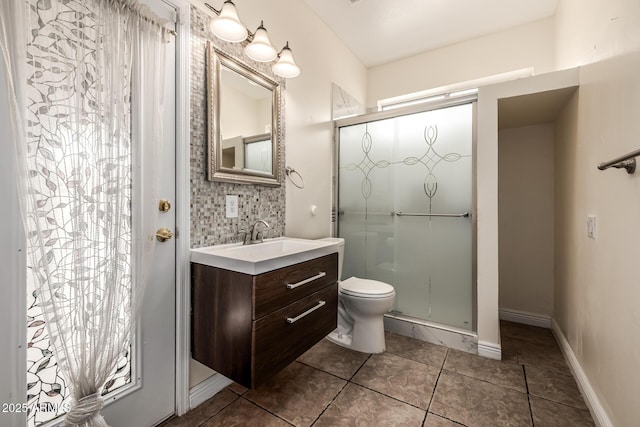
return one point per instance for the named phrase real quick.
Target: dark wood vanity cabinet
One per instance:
(250, 327)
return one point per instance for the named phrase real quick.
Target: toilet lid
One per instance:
(365, 288)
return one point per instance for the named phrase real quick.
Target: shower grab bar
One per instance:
(461, 215)
(627, 162)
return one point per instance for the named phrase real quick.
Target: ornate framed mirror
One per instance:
(243, 109)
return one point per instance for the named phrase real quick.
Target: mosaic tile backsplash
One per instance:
(209, 226)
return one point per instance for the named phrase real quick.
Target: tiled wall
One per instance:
(208, 223)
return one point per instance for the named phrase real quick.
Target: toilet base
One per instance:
(369, 337)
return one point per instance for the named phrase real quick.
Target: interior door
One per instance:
(150, 396)
(155, 370)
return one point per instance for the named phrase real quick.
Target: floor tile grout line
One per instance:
(360, 367)
(220, 410)
(433, 394)
(486, 381)
(331, 373)
(266, 410)
(417, 361)
(526, 384)
(560, 403)
(386, 395)
(330, 403)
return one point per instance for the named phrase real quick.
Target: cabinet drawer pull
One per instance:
(305, 281)
(311, 310)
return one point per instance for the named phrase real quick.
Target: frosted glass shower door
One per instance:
(433, 253)
(365, 208)
(396, 176)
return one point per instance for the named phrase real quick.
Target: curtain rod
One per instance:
(145, 13)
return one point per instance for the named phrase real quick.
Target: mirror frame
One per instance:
(215, 171)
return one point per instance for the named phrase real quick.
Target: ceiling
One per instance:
(532, 109)
(380, 31)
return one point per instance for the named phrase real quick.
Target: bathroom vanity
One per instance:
(256, 311)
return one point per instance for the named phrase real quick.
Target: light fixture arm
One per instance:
(286, 46)
(251, 34)
(213, 9)
(228, 27)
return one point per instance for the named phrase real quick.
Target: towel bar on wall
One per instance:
(627, 162)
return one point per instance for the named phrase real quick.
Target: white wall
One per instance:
(525, 46)
(597, 284)
(242, 115)
(526, 212)
(588, 31)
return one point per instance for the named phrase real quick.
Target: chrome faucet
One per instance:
(256, 233)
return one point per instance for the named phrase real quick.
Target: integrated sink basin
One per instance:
(262, 257)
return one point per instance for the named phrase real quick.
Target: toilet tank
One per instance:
(340, 242)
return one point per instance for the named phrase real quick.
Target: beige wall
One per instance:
(588, 31)
(521, 47)
(525, 221)
(597, 287)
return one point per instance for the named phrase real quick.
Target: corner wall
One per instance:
(487, 196)
(526, 211)
(589, 31)
(596, 285)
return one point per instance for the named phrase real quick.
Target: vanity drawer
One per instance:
(281, 287)
(278, 341)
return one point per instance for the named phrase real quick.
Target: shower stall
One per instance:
(405, 207)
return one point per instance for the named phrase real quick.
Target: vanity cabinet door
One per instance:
(278, 288)
(278, 341)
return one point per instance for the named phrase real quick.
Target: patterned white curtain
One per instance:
(86, 81)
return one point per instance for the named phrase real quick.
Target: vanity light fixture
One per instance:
(286, 66)
(260, 48)
(228, 27)
(227, 24)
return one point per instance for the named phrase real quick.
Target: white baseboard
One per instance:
(595, 407)
(207, 389)
(533, 319)
(489, 350)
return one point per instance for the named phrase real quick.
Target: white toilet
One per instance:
(362, 304)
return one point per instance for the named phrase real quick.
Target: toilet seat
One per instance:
(365, 288)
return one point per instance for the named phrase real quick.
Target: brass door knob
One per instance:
(164, 234)
(164, 205)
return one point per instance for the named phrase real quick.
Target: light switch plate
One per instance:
(232, 206)
(591, 226)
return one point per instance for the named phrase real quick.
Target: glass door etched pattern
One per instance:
(69, 170)
(394, 173)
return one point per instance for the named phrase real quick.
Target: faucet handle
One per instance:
(244, 234)
(259, 235)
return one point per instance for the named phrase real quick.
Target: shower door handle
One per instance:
(460, 215)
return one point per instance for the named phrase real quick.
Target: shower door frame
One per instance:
(405, 111)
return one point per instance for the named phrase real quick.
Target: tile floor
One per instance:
(413, 384)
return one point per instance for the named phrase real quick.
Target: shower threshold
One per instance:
(434, 333)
